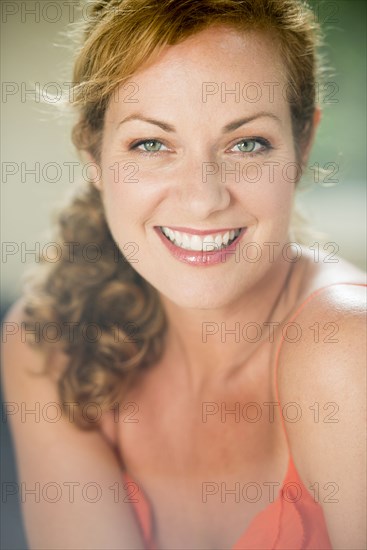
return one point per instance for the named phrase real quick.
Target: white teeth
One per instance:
(186, 241)
(178, 237)
(218, 240)
(208, 243)
(198, 243)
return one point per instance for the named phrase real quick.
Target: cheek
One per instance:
(120, 202)
(120, 188)
(266, 190)
(128, 210)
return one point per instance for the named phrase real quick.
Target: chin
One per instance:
(201, 297)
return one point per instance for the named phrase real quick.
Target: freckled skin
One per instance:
(170, 189)
(170, 450)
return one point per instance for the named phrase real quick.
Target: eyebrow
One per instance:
(225, 130)
(241, 121)
(164, 125)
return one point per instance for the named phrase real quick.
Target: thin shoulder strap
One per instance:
(279, 348)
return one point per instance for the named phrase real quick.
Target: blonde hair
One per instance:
(117, 38)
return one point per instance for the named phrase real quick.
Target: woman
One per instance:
(225, 361)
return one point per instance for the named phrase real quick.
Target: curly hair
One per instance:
(106, 293)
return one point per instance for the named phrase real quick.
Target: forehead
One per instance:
(218, 67)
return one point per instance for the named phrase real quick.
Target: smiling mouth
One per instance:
(214, 241)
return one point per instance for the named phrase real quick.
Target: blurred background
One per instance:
(34, 51)
(39, 165)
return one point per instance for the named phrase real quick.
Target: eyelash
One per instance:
(135, 144)
(264, 142)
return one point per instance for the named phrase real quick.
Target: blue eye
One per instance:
(253, 145)
(150, 145)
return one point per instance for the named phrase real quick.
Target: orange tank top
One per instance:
(293, 521)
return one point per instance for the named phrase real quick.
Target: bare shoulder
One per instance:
(52, 450)
(20, 361)
(322, 269)
(323, 372)
(19, 357)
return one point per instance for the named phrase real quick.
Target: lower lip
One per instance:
(200, 258)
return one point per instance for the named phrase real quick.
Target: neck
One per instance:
(211, 344)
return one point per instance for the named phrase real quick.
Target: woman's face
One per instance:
(201, 141)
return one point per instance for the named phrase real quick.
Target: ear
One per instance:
(315, 123)
(94, 169)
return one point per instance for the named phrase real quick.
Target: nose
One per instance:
(200, 188)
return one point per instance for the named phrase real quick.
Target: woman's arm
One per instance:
(325, 373)
(65, 473)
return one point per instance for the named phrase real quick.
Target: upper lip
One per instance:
(202, 231)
